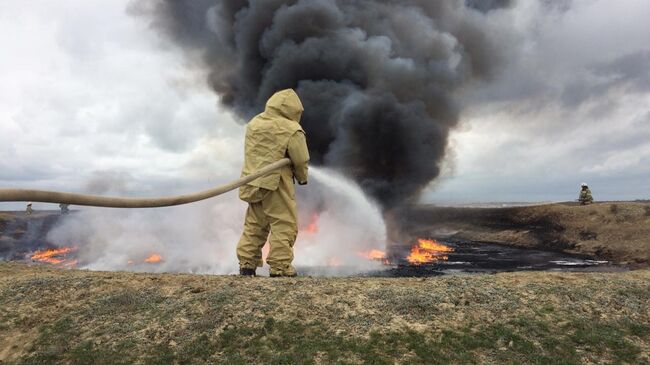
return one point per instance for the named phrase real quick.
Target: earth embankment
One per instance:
(52, 315)
(616, 231)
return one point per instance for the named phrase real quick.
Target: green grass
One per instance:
(124, 319)
(521, 340)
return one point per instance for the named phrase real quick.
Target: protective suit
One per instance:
(271, 136)
(64, 208)
(585, 196)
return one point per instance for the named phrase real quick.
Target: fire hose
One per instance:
(42, 196)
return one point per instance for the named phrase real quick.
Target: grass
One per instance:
(523, 340)
(74, 317)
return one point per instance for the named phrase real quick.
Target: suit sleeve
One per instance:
(299, 155)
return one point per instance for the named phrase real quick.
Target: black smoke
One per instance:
(378, 79)
(487, 5)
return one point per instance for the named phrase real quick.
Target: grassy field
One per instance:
(78, 317)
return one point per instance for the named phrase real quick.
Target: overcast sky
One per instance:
(93, 100)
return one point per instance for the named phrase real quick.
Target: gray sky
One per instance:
(93, 100)
(571, 105)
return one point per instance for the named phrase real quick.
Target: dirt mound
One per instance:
(618, 231)
(80, 317)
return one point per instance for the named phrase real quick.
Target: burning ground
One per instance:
(616, 231)
(50, 315)
(28, 239)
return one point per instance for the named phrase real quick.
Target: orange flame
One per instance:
(55, 256)
(375, 255)
(153, 259)
(71, 263)
(265, 251)
(313, 224)
(432, 245)
(427, 251)
(334, 262)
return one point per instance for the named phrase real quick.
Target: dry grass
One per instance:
(78, 317)
(613, 231)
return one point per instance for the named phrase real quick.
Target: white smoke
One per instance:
(348, 225)
(202, 238)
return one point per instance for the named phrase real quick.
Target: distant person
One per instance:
(29, 209)
(64, 208)
(271, 136)
(585, 195)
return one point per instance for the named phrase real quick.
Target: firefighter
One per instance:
(585, 195)
(270, 136)
(64, 208)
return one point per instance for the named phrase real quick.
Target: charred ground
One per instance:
(616, 231)
(21, 234)
(50, 315)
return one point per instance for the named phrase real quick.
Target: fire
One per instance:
(55, 256)
(153, 259)
(334, 262)
(427, 251)
(313, 224)
(375, 255)
(432, 245)
(265, 251)
(71, 263)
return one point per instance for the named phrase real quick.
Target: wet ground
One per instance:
(475, 258)
(22, 236)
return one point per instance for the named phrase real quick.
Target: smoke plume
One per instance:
(487, 5)
(378, 78)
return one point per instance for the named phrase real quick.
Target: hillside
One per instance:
(617, 231)
(78, 317)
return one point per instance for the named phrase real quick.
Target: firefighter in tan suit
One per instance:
(271, 136)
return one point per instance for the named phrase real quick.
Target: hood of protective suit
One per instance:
(285, 103)
(267, 140)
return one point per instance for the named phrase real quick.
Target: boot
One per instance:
(283, 275)
(244, 271)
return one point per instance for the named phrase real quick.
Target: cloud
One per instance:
(626, 74)
(571, 104)
(92, 92)
(89, 90)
